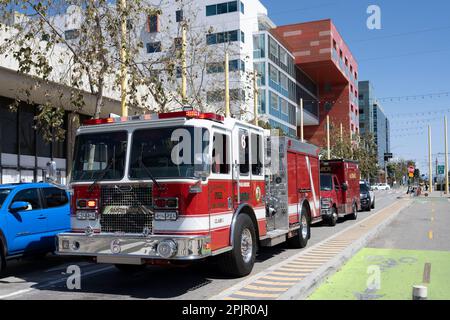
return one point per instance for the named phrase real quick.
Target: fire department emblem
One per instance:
(258, 193)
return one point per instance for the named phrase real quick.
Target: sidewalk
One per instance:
(298, 276)
(412, 250)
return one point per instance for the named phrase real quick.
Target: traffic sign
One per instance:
(441, 169)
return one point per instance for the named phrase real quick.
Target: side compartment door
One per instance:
(294, 192)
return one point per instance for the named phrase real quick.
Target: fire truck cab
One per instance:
(340, 194)
(185, 186)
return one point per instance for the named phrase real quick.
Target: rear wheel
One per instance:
(373, 204)
(300, 240)
(240, 260)
(354, 214)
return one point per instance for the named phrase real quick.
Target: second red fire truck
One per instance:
(184, 186)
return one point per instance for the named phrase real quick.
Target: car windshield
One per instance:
(168, 152)
(101, 155)
(3, 195)
(326, 183)
(364, 188)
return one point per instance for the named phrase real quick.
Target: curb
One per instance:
(302, 290)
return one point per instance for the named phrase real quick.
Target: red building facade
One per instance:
(322, 54)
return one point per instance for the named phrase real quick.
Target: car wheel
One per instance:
(2, 259)
(300, 240)
(373, 204)
(240, 260)
(354, 214)
(332, 220)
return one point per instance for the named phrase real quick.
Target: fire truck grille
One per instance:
(126, 209)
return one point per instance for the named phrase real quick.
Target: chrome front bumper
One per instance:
(118, 248)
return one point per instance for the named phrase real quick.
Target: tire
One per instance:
(333, 219)
(300, 240)
(354, 214)
(130, 268)
(240, 260)
(2, 259)
(373, 205)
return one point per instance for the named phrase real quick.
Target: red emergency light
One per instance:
(191, 114)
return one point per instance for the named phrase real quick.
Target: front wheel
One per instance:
(2, 259)
(240, 260)
(300, 240)
(332, 220)
(354, 214)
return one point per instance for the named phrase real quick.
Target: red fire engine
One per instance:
(133, 205)
(340, 190)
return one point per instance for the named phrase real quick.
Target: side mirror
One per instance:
(344, 187)
(202, 166)
(19, 206)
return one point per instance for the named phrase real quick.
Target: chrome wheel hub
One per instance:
(246, 245)
(304, 227)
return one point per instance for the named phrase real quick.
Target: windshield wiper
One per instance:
(147, 170)
(102, 175)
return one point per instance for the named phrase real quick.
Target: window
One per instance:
(222, 8)
(259, 46)
(211, 10)
(274, 101)
(242, 37)
(54, 197)
(273, 48)
(273, 74)
(257, 155)
(242, 8)
(232, 6)
(222, 37)
(153, 23)
(71, 34)
(3, 195)
(283, 57)
(31, 196)
(179, 15)
(153, 47)
(284, 107)
(284, 81)
(220, 154)
(8, 127)
(244, 165)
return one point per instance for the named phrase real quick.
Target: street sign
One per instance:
(388, 155)
(441, 169)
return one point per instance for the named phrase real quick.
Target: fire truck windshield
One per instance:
(168, 152)
(326, 183)
(100, 156)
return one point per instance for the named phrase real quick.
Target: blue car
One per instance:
(31, 214)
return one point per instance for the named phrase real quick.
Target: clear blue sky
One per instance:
(409, 56)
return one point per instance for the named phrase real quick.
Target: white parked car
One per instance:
(381, 186)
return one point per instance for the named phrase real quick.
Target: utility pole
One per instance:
(122, 4)
(255, 97)
(430, 160)
(328, 139)
(446, 155)
(227, 87)
(183, 65)
(302, 136)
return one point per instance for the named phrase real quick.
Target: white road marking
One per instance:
(52, 283)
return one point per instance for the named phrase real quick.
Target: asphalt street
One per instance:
(46, 278)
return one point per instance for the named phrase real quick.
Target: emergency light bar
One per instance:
(191, 114)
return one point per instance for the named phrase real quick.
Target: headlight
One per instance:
(364, 196)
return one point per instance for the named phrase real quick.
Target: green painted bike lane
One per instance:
(389, 274)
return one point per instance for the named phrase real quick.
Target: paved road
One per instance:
(46, 278)
(414, 249)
